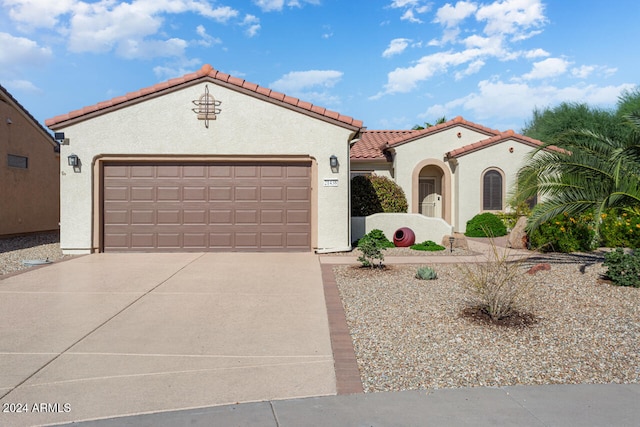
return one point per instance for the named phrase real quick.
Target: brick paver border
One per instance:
(347, 373)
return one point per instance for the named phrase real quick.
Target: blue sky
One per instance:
(390, 63)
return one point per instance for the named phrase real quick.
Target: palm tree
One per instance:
(583, 171)
(441, 120)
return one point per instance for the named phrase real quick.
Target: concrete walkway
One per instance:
(538, 406)
(108, 335)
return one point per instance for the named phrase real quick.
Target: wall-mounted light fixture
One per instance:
(60, 139)
(9, 121)
(333, 161)
(74, 161)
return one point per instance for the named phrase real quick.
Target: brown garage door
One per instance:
(217, 206)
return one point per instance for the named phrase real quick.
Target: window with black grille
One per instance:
(492, 191)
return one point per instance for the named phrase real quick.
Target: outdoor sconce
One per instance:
(333, 162)
(451, 240)
(73, 160)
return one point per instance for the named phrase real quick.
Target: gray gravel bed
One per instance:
(40, 246)
(387, 252)
(410, 334)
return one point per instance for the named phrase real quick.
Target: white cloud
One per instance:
(296, 81)
(511, 16)
(23, 86)
(536, 53)
(450, 16)
(412, 7)
(205, 38)
(498, 100)
(583, 71)
(252, 24)
(131, 29)
(38, 13)
(176, 69)
(311, 86)
(550, 67)
(278, 5)
(473, 68)
(396, 47)
(20, 52)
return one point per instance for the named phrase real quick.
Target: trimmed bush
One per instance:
(427, 245)
(485, 225)
(565, 234)
(374, 194)
(426, 273)
(378, 237)
(623, 269)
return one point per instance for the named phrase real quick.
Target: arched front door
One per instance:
(430, 191)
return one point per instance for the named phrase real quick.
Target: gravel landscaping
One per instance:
(412, 334)
(40, 246)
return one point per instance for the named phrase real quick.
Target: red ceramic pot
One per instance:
(404, 237)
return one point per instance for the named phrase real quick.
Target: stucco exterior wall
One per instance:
(410, 157)
(166, 125)
(471, 168)
(29, 198)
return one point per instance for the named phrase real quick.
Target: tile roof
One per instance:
(503, 136)
(372, 144)
(207, 72)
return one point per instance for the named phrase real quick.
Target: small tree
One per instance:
(371, 251)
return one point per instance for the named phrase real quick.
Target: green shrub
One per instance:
(426, 273)
(623, 269)
(427, 245)
(371, 251)
(565, 234)
(374, 194)
(485, 225)
(378, 237)
(620, 229)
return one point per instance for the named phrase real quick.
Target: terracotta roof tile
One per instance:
(206, 71)
(373, 142)
(509, 134)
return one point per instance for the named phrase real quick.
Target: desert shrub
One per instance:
(623, 268)
(370, 252)
(378, 237)
(564, 233)
(427, 245)
(374, 194)
(620, 229)
(499, 287)
(485, 225)
(426, 273)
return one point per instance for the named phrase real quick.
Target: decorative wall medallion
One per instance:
(206, 107)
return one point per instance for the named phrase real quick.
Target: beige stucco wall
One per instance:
(29, 198)
(423, 227)
(166, 125)
(472, 166)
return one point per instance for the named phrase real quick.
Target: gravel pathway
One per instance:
(411, 334)
(41, 246)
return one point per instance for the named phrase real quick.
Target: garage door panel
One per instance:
(206, 207)
(169, 217)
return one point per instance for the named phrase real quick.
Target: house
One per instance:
(208, 161)
(451, 171)
(29, 172)
(204, 162)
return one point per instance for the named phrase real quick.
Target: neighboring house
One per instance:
(452, 171)
(29, 172)
(205, 162)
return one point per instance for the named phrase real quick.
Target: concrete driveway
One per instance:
(114, 334)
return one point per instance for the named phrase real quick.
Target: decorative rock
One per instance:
(539, 267)
(518, 237)
(404, 237)
(459, 241)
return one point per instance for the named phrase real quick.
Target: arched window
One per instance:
(492, 191)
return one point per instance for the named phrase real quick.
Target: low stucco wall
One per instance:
(425, 228)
